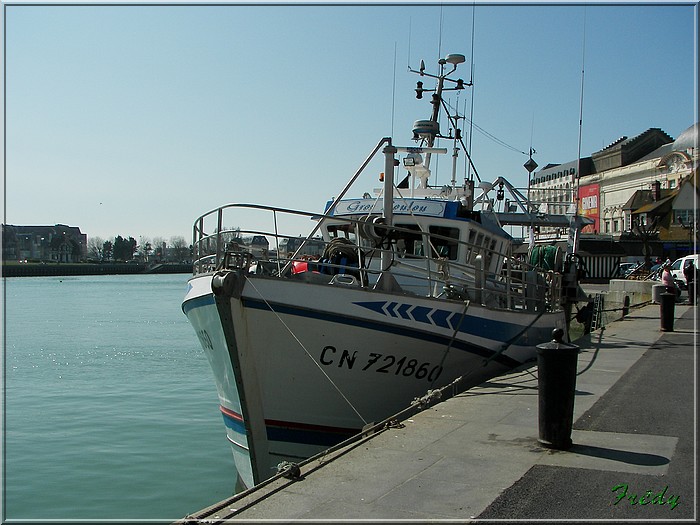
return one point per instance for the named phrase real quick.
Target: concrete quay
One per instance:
(475, 456)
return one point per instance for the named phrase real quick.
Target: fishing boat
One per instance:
(391, 295)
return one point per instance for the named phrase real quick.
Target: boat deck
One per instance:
(476, 455)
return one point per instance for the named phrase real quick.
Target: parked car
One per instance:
(679, 265)
(625, 268)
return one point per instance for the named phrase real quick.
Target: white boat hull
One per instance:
(322, 361)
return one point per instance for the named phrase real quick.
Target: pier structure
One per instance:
(476, 456)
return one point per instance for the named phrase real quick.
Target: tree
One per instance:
(95, 248)
(124, 249)
(158, 247)
(107, 250)
(646, 231)
(181, 251)
(145, 249)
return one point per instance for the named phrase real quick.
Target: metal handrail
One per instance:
(210, 248)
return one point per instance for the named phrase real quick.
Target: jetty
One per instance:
(476, 456)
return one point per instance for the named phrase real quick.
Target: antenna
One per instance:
(580, 116)
(572, 241)
(440, 34)
(471, 109)
(409, 43)
(393, 94)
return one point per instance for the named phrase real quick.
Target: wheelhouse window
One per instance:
(346, 231)
(409, 243)
(472, 251)
(444, 241)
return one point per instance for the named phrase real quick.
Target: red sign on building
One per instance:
(588, 206)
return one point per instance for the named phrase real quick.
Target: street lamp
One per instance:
(530, 166)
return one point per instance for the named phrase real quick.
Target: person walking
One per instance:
(667, 279)
(689, 273)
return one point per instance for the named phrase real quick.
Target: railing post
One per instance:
(219, 221)
(198, 244)
(389, 157)
(479, 278)
(277, 242)
(509, 280)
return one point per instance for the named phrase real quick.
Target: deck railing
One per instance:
(501, 280)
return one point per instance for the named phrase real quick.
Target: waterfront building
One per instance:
(639, 192)
(58, 243)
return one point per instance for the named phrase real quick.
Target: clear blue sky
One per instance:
(133, 120)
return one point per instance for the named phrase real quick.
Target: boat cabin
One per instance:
(436, 229)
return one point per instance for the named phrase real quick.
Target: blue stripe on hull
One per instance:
(391, 329)
(234, 424)
(203, 300)
(307, 437)
(304, 434)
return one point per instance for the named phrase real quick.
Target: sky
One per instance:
(133, 119)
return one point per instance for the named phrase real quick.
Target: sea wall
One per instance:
(40, 269)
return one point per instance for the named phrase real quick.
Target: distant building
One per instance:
(59, 243)
(313, 247)
(639, 193)
(626, 185)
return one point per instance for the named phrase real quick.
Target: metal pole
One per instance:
(389, 162)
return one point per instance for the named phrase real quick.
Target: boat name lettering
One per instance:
(380, 363)
(424, 206)
(412, 207)
(358, 206)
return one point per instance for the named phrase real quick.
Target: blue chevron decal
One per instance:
(390, 309)
(439, 317)
(403, 311)
(457, 321)
(375, 306)
(421, 314)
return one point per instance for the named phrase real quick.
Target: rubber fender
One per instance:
(223, 283)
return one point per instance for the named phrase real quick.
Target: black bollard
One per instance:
(691, 292)
(556, 381)
(667, 307)
(626, 306)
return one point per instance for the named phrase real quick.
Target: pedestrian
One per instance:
(689, 273)
(667, 279)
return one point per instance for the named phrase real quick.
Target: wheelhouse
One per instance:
(422, 228)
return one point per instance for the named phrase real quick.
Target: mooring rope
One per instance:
(452, 339)
(307, 352)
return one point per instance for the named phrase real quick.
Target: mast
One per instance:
(572, 243)
(429, 130)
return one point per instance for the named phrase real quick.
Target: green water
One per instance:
(110, 409)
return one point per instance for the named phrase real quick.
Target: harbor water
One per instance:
(110, 410)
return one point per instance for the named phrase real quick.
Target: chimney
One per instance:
(656, 191)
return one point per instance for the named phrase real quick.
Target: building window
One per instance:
(607, 226)
(683, 216)
(616, 226)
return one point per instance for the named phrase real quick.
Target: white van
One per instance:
(678, 266)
